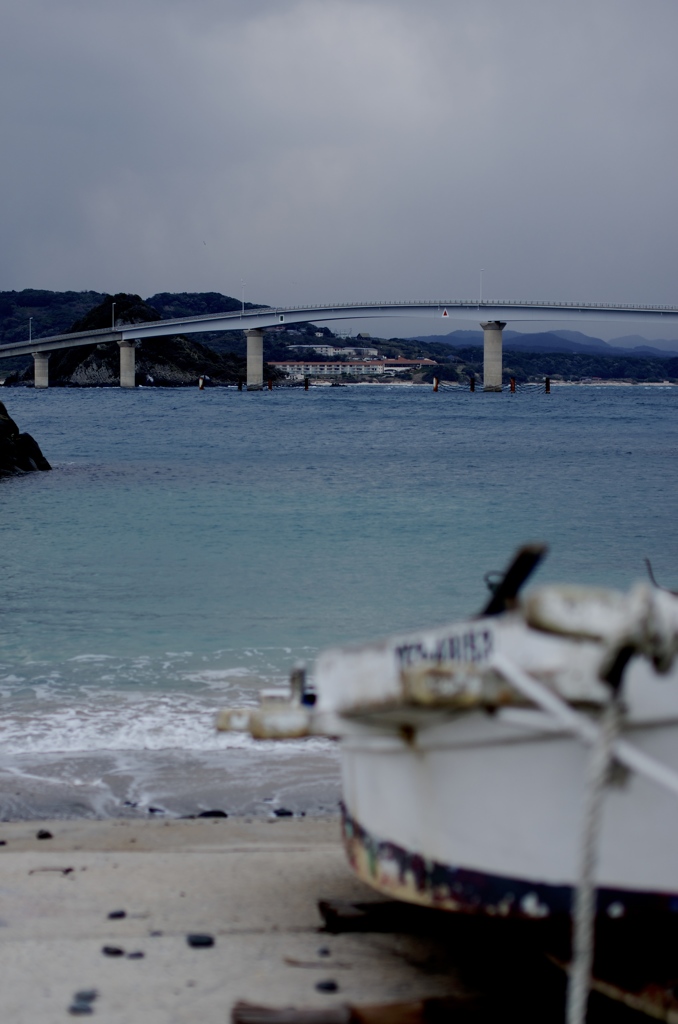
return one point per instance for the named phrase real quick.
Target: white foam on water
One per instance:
(92, 657)
(115, 721)
(210, 676)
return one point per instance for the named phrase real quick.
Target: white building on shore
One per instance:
(334, 350)
(297, 370)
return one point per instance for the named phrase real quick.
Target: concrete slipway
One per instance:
(253, 886)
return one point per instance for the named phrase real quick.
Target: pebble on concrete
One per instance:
(112, 951)
(82, 1002)
(327, 986)
(44, 834)
(86, 995)
(198, 941)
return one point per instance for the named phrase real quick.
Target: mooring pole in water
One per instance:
(435, 383)
(472, 382)
(547, 386)
(239, 385)
(305, 383)
(513, 385)
(270, 384)
(201, 383)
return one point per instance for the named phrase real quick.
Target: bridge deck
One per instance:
(452, 309)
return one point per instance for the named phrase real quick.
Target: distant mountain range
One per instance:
(560, 341)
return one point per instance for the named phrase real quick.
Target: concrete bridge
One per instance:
(493, 318)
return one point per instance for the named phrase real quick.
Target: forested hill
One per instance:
(57, 312)
(50, 312)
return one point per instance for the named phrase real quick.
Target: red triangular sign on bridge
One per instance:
(445, 313)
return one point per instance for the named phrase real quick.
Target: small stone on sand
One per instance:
(87, 995)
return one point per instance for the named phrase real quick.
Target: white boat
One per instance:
(468, 782)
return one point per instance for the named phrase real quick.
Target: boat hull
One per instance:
(477, 815)
(411, 876)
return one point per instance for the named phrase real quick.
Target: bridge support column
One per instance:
(492, 352)
(41, 369)
(127, 363)
(255, 360)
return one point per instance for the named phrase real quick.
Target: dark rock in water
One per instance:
(8, 427)
(115, 915)
(212, 814)
(19, 453)
(44, 834)
(200, 941)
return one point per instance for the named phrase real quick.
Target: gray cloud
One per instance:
(329, 150)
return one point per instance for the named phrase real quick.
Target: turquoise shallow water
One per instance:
(190, 545)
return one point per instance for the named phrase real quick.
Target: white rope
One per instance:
(584, 914)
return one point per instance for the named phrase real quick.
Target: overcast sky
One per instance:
(341, 150)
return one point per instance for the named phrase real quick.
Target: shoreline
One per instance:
(391, 382)
(145, 785)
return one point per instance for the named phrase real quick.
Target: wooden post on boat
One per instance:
(547, 385)
(472, 382)
(513, 385)
(435, 383)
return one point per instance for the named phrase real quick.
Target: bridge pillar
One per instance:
(127, 363)
(41, 369)
(492, 351)
(255, 359)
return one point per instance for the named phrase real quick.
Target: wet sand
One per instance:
(127, 784)
(254, 886)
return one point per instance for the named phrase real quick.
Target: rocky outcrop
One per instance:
(19, 453)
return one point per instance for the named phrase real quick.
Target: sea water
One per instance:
(190, 546)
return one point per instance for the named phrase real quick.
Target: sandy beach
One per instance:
(253, 886)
